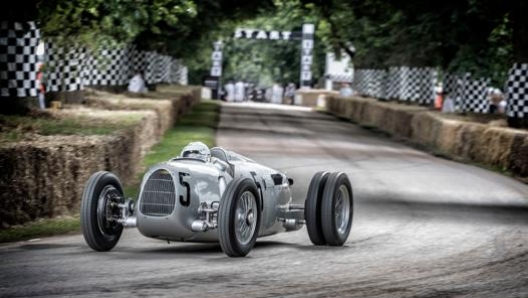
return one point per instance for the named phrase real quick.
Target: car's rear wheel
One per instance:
(99, 211)
(312, 208)
(337, 209)
(239, 218)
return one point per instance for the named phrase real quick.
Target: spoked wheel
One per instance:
(312, 208)
(99, 211)
(337, 209)
(239, 217)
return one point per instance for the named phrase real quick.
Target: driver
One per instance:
(196, 150)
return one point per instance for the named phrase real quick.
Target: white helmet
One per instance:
(196, 150)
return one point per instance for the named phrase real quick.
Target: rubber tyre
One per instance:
(227, 215)
(331, 192)
(97, 237)
(312, 208)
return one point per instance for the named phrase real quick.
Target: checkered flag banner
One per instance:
(151, 64)
(398, 86)
(340, 78)
(358, 82)
(164, 68)
(18, 59)
(64, 67)
(138, 60)
(414, 84)
(517, 91)
(369, 82)
(475, 94)
(470, 94)
(108, 67)
(403, 83)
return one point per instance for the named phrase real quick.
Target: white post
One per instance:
(306, 55)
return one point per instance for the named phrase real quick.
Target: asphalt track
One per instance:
(423, 227)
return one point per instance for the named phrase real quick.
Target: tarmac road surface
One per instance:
(423, 227)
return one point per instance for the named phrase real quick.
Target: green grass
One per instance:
(199, 125)
(41, 228)
(15, 127)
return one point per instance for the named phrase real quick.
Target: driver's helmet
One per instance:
(196, 150)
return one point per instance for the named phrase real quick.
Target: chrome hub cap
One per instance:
(246, 221)
(342, 209)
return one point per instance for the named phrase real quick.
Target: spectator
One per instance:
(41, 86)
(290, 93)
(230, 91)
(439, 99)
(240, 91)
(276, 93)
(497, 102)
(345, 90)
(137, 83)
(448, 105)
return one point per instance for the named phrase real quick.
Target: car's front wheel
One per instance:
(99, 211)
(239, 217)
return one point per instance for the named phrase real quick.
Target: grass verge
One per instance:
(199, 125)
(43, 227)
(14, 128)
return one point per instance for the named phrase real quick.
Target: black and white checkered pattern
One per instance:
(340, 78)
(69, 68)
(517, 91)
(164, 68)
(139, 61)
(108, 67)
(369, 82)
(64, 67)
(475, 95)
(403, 83)
(18, 59)
(470, 94)
(418, 85)
(392, 88)
(151, 64)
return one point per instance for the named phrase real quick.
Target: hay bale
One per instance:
(446, 140)
(490, 144)
(518, 159)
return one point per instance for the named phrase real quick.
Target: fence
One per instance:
(417, 85)
(73, 67)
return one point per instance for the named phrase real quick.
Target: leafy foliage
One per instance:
(470, 35)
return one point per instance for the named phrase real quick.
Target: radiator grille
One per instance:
(158, 196)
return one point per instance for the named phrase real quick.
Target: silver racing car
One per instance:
(215, 195)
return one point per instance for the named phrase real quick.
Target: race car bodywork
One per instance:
(219, 196)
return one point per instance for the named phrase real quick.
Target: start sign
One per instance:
(306, 36)
(261, 34)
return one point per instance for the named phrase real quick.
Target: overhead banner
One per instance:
(249, 33)
(306, 36)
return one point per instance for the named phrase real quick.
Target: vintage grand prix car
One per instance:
(215, 195)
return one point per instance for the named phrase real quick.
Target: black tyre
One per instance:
(312, 208)
(239, 217)
(98, 207)
(337, 209)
